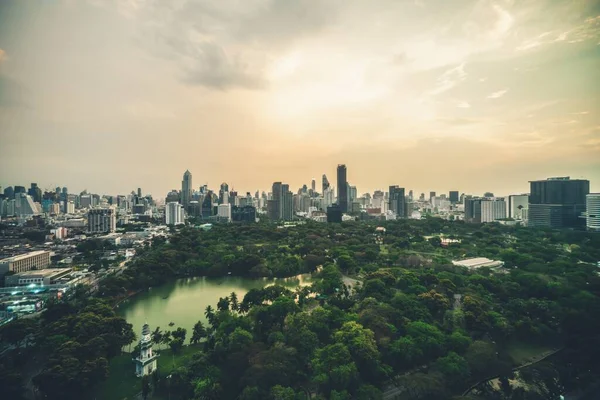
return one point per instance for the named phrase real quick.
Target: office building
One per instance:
(593, 212)
(85, 201)
(25, 262)
(479, 210)
(174, 213)
(243, 214)
(342, 187)
(224, 212)
(334, 213)
(25, 206)
(70, 207)
(275, 205)
(224, 193)
(397, 201)
(186, 189)
(207, 207)
(313, 185)
(325, 183)
(453, 196)
(35, 192)
(38, 277)
(518, 205)
(353, 193)
(431, 195)
(287, 209)
(557, 202)
(102, 220)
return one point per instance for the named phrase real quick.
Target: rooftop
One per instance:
(478, 262)
(43, 272)
(24, 256)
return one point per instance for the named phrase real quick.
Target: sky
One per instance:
(430, 95)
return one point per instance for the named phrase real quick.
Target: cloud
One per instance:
(463, 104)
(212, 67)
(449, 79)
(498, 94)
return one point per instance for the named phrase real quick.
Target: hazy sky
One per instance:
(429, 95)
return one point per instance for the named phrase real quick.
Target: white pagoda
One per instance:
(145, 363)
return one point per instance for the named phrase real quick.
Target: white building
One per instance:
(70, 207)
(224, 210)
(145, 363)
(593, 211)
(518, 205)
(479, 262)
(174, 214)
(25, 262)
(492, 210)
(101, 220)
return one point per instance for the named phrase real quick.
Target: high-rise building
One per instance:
(287, 211)
(275, 210)
(186, 189)
(35, 192)
(353, 193)
(342, 187)
(518, 205)
(397, 201)
(453, 196)
(410, 195)
(9, 192)
(224, 212)
(174, 214)
(325, 183)
(313, 185)
(488, 194)
(557, 202)
(139, 192)
(431, 195)
(593, 211)
(479, 210)
(207, 207)
(101, 220)
(25, 206)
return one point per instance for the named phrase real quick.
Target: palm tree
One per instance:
(233, 301)
(210, 314)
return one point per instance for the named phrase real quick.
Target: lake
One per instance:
(183, 301)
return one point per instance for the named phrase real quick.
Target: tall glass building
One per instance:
(558, 202)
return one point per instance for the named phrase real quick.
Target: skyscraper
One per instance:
(174, 214)
(287, 211)
(397, 201)
(186, 189)
(342, 187)
(557, 202)
(453, 196)
(224, 193)
(313, 185)
(325, 183)
(275, 210)
(102, 220)
(431, 195)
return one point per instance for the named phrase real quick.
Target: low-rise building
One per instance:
(25, 262)
(36, 277)
(479, 262)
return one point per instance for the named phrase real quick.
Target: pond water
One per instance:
(183, 301)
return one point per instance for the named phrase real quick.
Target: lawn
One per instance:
(522, 353)
(122, 384)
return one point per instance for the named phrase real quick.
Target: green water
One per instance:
(183, 301)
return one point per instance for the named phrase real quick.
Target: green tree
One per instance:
(198, 333)
(333, 368)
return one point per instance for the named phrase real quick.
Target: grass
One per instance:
(522, 353)
(122, 384)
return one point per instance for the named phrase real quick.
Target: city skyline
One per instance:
(472, 96)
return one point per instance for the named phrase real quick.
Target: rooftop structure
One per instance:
(479, 262)
(25, 262)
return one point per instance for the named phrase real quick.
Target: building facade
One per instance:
(592, 218)
(342, 187)
(174, 214)
(558, 202)
(518, 204)
(186, 189)
(25, 262)
(102, 220)
(397, 201)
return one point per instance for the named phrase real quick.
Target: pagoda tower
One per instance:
(145, 363)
